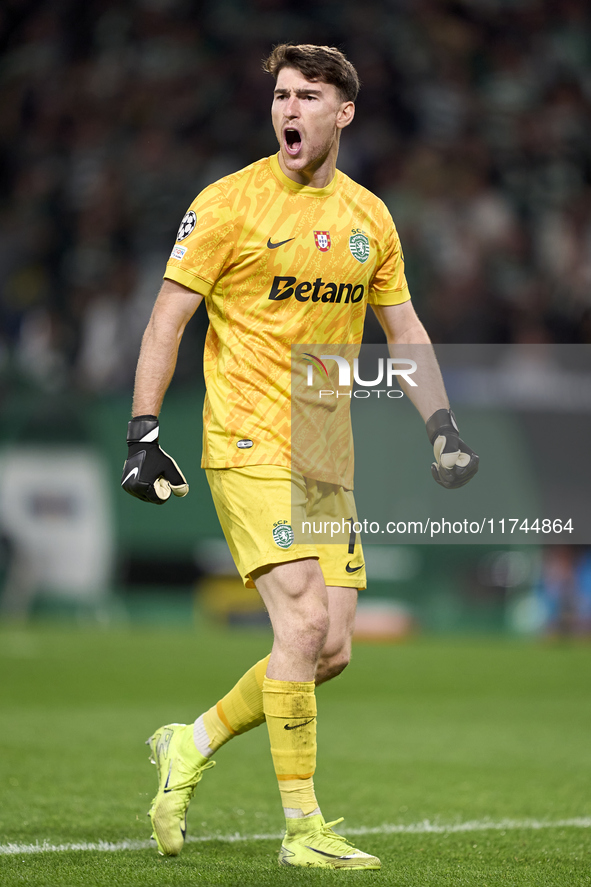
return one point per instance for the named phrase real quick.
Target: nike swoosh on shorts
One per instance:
(350, 569)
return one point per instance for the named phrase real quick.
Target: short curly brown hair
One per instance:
(324, 63)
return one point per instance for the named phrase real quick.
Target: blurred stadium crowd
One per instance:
(473, 124)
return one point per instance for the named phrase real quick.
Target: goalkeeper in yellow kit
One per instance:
(286, 251)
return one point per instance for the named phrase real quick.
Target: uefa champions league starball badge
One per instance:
(187, 225)
(359, 245)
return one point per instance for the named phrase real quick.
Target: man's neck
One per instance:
(318, 177)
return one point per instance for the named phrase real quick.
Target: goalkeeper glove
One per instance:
(149, 473)
(455, 463)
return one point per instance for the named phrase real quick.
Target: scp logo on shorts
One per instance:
(283, 534)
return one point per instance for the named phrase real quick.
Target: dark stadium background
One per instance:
(474, 126)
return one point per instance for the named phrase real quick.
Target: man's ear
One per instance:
(345, 114)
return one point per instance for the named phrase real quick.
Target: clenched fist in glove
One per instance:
(149, 473)
(455, 463)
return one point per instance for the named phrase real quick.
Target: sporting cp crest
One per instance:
(322, 240)
(359, 245)
(283, 534)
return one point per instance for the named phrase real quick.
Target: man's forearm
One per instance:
(155, 367)
(455, 463)
(172, 310)
(429, 395)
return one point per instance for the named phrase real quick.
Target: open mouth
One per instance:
(293, 140)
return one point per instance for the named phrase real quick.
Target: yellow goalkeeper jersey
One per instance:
(278, 264)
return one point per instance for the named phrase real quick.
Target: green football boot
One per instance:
(311, 843)
(180, 767)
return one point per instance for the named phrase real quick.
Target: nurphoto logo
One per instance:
(395, 366)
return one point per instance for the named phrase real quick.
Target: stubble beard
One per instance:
(313, 158)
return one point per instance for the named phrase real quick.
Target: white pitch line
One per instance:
(47, 847)
(427, 827)
(417, 828)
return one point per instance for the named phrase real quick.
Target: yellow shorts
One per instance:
(271, 515)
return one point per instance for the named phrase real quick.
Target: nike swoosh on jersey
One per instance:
(350, 569)
(281, 242)
(133, 473)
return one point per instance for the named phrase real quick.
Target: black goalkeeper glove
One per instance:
(149, 473)
(455, 463)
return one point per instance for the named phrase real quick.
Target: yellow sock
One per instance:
(238, 711)
(290, 711)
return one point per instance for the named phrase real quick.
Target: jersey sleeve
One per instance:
(204, 243)
(388, 285)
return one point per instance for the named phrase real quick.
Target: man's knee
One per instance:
(295, 596)
(304, 630)
(332, 663)
(314, 624)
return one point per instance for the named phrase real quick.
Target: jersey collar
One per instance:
(302, 190)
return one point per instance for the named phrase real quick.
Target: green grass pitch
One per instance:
(415, 741)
